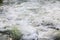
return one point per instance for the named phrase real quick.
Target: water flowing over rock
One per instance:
(36, 19)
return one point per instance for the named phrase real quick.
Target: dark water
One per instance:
(1, 2)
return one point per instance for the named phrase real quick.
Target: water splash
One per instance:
(33, 17)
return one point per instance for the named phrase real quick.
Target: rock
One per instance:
(56, 35)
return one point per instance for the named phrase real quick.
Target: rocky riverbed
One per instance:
(36, 20)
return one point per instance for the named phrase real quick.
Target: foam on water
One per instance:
(34, 19)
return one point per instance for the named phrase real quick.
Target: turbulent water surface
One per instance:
(36, 19)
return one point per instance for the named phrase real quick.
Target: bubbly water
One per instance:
(36, 19)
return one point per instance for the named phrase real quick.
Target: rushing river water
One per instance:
(36, 19)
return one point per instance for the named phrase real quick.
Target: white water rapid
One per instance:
(36, 19)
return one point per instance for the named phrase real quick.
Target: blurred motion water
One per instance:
(36, 19)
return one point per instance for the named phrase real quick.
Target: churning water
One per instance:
(36, 19)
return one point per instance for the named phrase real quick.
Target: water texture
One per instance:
(36, 19)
